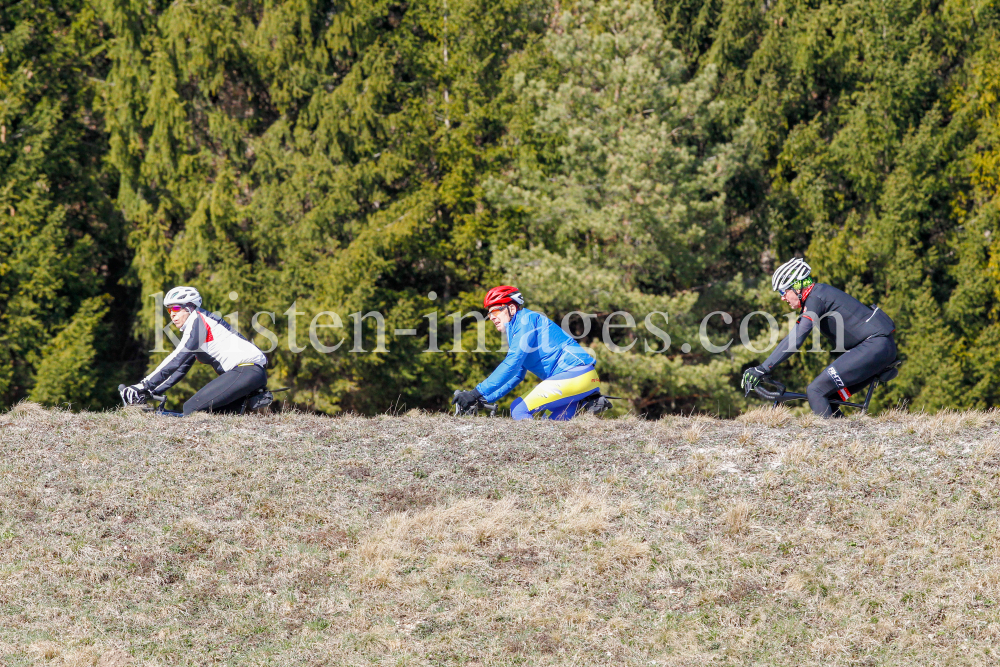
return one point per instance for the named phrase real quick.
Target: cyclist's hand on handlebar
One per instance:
(133, 394)
(751, 378)
(466, 399)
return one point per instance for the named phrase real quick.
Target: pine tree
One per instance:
(355, 156)
(867, 145)
(60, 239)
(620, 190)
(328, 156)
(65, 374)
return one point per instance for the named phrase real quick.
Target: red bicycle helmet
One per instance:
(504, 294)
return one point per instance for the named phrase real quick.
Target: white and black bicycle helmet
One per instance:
(182, 296)
(789, 273)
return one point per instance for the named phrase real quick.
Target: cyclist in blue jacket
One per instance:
(536, 344)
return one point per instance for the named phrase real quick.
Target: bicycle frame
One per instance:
(162, 400)
(784, 396)
(474, 409)
(160, 410)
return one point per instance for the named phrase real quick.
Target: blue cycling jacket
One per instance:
(536, 344)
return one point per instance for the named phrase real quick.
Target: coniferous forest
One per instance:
(358, 155)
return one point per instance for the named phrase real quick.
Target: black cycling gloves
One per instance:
(466, 399)
(751, 378)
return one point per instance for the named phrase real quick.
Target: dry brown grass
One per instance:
(737, 518)
(988, 448)
(127, 539)
(694, 432)
(767, 415)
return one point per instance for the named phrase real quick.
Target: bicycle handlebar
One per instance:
(476, 407)
(770, 395)
(782, 395)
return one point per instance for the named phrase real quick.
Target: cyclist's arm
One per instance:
(511, 370)
(506, 388)
(792, 342)
(178, 363)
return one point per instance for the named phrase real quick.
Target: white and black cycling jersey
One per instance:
(209, 339)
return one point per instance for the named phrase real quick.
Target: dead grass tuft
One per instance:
(701, 465)
(43, 650)
(952, 421)
(27, 409)
(767, 415)
(585, 513)
(737, 518)
(622, 553)
(798, 452)
(897, 416)
(693, 432)
(988, 449)
(866, 449)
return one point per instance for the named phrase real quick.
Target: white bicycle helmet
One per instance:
(181, 296)
(790, 272)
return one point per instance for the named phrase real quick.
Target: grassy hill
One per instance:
(429, 540)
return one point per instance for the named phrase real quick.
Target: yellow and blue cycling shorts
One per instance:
(560, 394)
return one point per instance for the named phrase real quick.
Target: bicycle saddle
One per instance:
(890, 371)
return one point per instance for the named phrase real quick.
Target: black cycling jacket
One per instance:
(831, 309)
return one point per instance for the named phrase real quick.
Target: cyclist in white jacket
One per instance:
(210, 340)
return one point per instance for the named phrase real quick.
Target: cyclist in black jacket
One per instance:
(863, 333)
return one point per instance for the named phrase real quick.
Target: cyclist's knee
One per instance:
(822, 385)
(818, 391)
(519, 410)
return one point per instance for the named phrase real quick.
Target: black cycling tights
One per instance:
(226, 392)
(856, 365)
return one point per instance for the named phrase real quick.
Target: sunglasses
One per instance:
(496, 309)
(176, 309)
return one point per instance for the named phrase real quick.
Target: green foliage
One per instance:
(65, 373)
(355, 156)
(619, 193)
(60, 239)
(326, 155)
(872, 141)
(629, 201)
